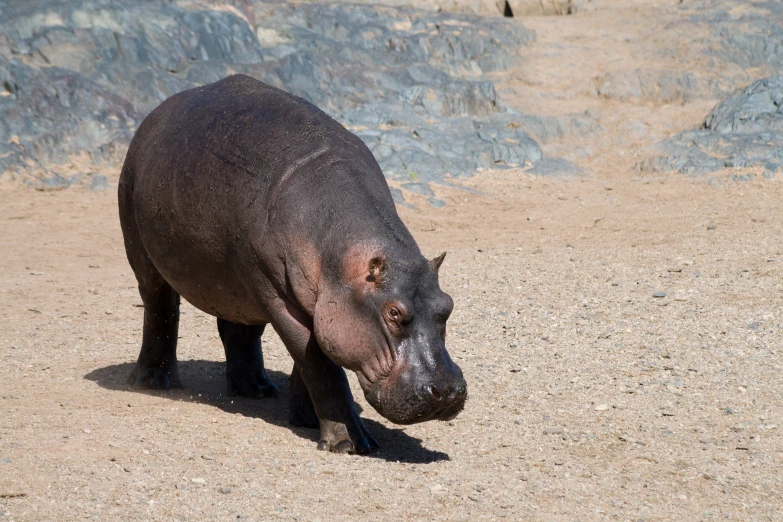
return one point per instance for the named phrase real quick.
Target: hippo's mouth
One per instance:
(372, 390)
(408, 409)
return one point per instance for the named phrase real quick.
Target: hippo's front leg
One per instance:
(342, 430)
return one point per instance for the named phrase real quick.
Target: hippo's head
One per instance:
(386, 320)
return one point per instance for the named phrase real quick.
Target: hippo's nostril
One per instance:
(435, 393)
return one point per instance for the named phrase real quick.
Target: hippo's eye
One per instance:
(396, 315)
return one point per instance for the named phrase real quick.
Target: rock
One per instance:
(398, 197)
(508, 8)
(752, 39)
(630, 439)
(198, 480)
(418, 188)
(745, 130)
(484, 7)
(659, 295)
(553, 430)
(225, 490)
(412, 84)
(537, 7)
(554, 167)
(662, 86)
(602, 407)
(99, 183)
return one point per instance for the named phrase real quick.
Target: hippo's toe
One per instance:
(335, 437)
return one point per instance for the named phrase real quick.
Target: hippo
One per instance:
(258, 208)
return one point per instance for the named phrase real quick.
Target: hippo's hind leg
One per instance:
(157, 364)
(245, 361)
(301, 412)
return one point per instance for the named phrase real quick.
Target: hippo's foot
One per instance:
(250, 381)
(340, 438)
(155, 378)
(245, 361)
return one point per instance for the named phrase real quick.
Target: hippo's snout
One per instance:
(409, 397)
(448, 398)
(445, 397)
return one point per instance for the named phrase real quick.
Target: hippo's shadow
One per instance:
(205, 382)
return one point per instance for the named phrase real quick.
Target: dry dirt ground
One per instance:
(590, 398)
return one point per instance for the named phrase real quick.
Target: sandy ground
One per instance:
(590, 398)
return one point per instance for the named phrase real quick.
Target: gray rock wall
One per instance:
(744, 41)
(745, 130)
(80, 76)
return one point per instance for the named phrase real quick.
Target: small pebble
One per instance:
(225, 490)
(711, 226)
(659, 294)
(198, 480)
(632, 440)
(553, 430)
(602, 407)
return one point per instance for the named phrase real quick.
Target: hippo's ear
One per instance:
(375, 269)
(436, 262)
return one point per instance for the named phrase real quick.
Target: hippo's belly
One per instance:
(201, 254)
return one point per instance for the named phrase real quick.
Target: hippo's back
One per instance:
(237, 133)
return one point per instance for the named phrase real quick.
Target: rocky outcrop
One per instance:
(745, 130)
(78, 77)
